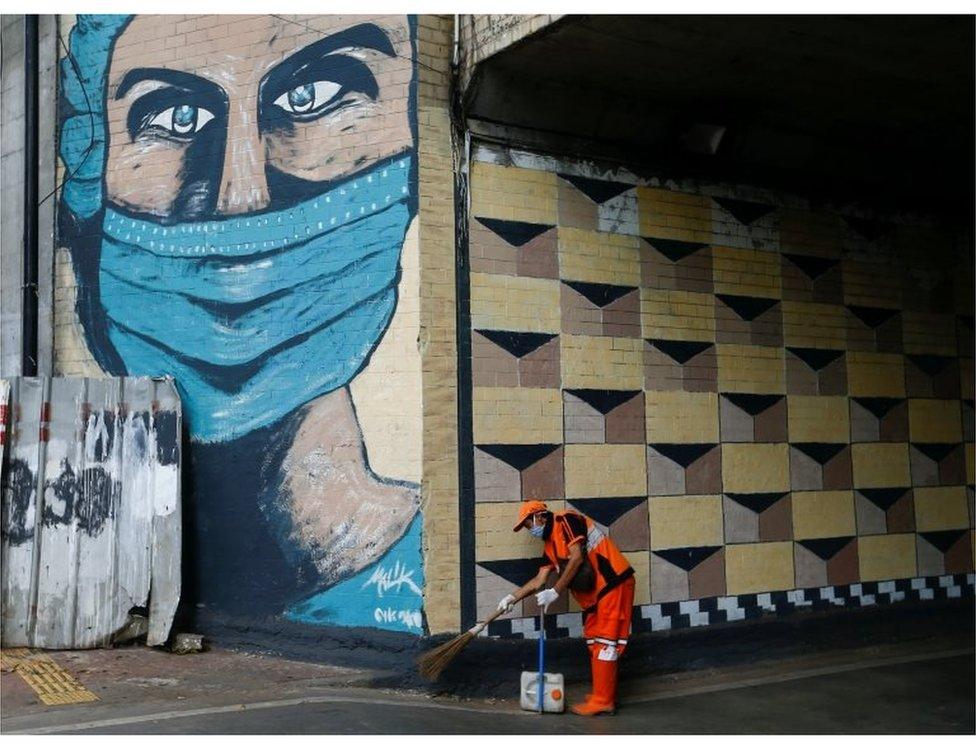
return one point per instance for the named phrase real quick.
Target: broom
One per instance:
(431, 663)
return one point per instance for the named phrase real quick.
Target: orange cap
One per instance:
(529, 507)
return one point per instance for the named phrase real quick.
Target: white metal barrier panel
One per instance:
(91, 508)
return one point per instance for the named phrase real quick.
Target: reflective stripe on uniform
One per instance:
(593, 537)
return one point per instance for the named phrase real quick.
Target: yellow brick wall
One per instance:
(889, 557)
(755, 468)
(823, 514)
(812, 325)
(509, 303)
(438, 337)
(818, 418)
(864, 412)
(677, 314)
(517, 415)
(746, 272)
(881, 465)
(598, 257)
(754, 568)
(605, 470)
(875, 375)
(750, 369)
(681, 417)
(934, 420)
(685, 521)
(602, 362)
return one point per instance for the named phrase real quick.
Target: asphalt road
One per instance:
(935, 695)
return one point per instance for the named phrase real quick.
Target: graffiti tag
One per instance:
(394, 577)
(409, 618)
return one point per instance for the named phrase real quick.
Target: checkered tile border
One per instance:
(704, 611)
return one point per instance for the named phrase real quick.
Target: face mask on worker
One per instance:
(537, 530)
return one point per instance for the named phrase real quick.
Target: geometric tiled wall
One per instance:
(751, 396)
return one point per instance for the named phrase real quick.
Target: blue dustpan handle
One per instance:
(542, 658)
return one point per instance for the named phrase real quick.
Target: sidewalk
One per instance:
(135, 684)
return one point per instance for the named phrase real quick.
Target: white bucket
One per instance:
(553, 697)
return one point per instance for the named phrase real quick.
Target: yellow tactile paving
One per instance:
(53, 684)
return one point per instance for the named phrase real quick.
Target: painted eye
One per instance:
(308, 97)
(182, 119)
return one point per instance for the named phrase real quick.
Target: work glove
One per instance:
(506, 603)
(544, 597)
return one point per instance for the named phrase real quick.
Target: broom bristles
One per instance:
(432, 663)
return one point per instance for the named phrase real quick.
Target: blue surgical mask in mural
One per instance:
(274, 308)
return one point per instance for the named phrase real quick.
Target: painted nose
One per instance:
(243, 184)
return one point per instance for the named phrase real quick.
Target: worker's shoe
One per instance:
(601, 701)
(593, 707)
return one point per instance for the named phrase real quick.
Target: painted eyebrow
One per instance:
(176, 78)
(366, 35)
(363, 35)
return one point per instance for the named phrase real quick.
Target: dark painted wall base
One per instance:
(491, 667)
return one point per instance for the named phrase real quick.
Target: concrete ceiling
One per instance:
(876, 110)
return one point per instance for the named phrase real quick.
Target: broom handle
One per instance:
(542, 661)
(476, 629)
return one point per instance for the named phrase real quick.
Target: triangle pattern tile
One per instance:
(674, 249)
(873, 317)
(943, 540)
(929, 363)
(607, 510)
(815, 358)
(516, 233)
(936, 451)
(826, 548)
(748, 307)
(757, 502)
(600, 294)
(515, 571)
(744, 211)
(688, 557)
(752, 403)
(884, 498)
(603, 401)
(680, 351)
(597, 190)
(519, 457)
(821, 452)
(813, 267)
(879, 407)
(515, 343)
(683, 455)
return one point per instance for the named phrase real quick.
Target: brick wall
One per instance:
(438, 330)
(754, 395)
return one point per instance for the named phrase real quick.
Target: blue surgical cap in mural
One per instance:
(83, 132)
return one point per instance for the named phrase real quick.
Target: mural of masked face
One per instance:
(240, 210)
(261, 198)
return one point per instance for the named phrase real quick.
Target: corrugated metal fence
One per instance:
(91, 508)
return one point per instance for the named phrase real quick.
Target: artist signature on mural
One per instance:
(386, 578)
(412, 619)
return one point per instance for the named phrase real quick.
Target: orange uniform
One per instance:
(603, 586)
(608, 604)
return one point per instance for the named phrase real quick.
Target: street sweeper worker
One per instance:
(601, 580)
